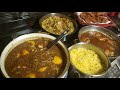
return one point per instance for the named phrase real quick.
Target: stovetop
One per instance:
(24, 28)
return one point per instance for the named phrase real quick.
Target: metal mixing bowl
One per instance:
(98, 51)
(104, 31)
(60, 15)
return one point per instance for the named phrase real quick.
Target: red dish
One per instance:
(82, 21)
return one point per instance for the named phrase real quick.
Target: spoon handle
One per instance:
(57, 39)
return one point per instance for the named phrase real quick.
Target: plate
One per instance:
(83, 22)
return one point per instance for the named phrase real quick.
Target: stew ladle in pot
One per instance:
(57, 39)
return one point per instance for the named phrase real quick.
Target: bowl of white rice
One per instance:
(89, 60)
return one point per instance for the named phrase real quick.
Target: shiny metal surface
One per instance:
(98, 51)
(60, 15)
(104, 31)
(24, 38)
(57, 39)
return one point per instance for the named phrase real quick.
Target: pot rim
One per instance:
(24, 38)
(61, 15)
(97, 75)
(107, 30)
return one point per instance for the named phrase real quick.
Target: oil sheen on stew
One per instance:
(29, 60)
(107, 44)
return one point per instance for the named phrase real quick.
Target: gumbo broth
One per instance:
(30, 60)
(106, 43)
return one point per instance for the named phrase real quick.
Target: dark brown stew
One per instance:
(106, 43)
(29, 60)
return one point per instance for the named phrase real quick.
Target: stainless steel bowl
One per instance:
(25, 38)
(98, 51)
(60, 15)
(105, 32)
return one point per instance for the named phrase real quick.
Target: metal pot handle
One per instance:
(76, 72)
(81, 75)
(118, 34)
(76, 41)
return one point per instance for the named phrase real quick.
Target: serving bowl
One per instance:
(59, 15)
(104, 31)
(98, 51)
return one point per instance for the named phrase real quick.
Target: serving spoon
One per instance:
(57, 39)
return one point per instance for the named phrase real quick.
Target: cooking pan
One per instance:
(24, 38)
(98, 51)
(60, 15)
(105, 32)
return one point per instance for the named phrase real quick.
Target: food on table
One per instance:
(29, 60)
(107, 44)
(94, 17)
(57, 25)
(87, 61)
